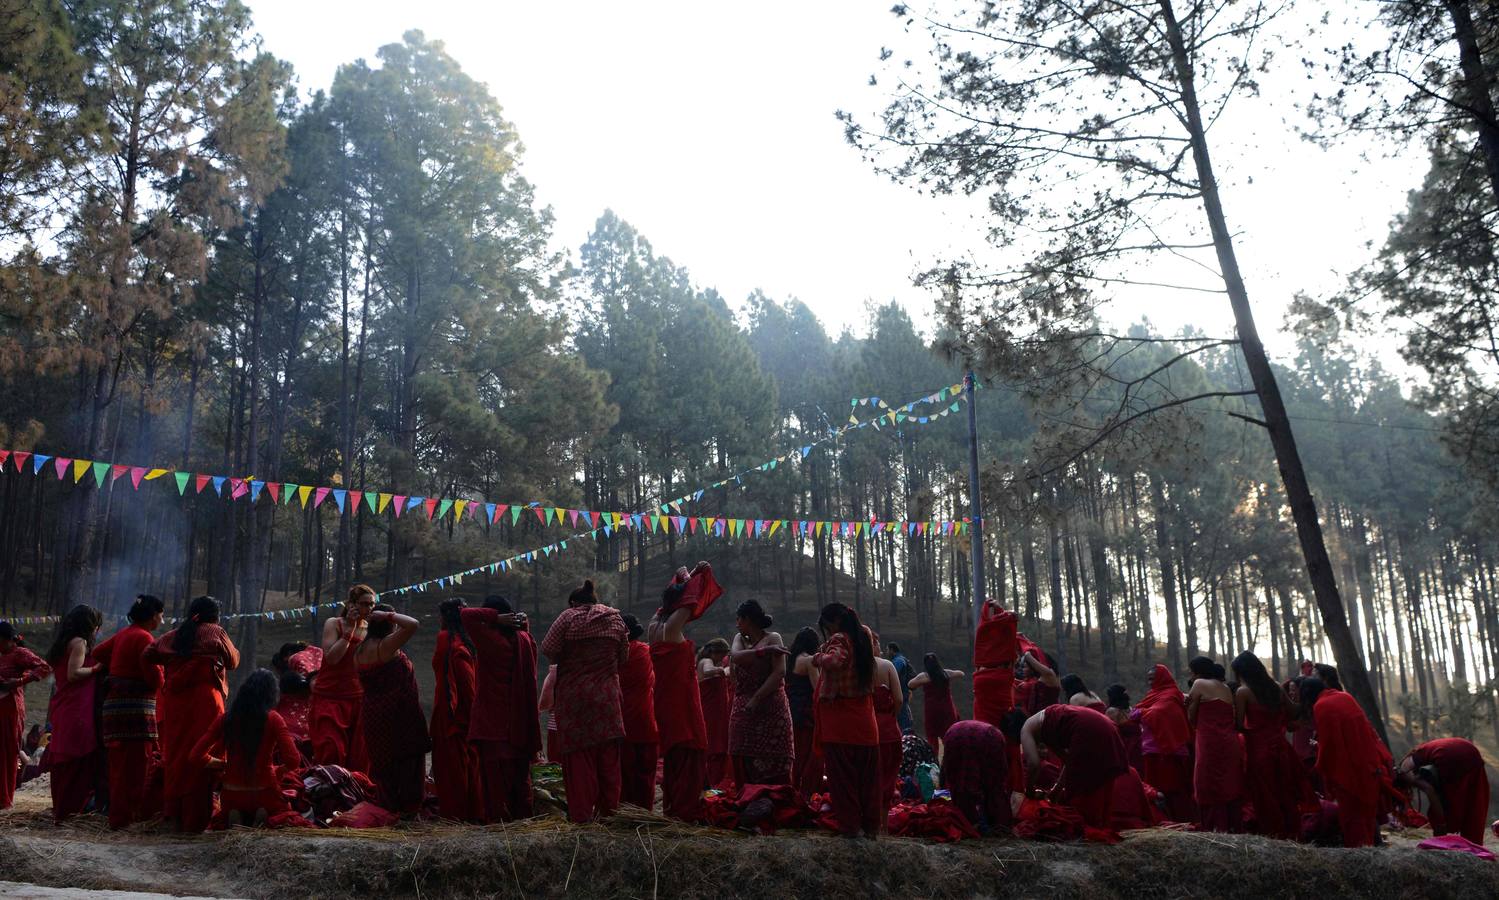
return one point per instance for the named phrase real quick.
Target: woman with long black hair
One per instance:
(939, 712)
(18, 668)
(251, 748)
(801, 675)
(74, 756)
(131, 689)
(846, 726)
(760, 742)
(198, 657)
(455, 762)
(1274, 779)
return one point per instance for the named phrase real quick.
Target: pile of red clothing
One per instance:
(759, 807)
(330, 790)
(936, 820)
(1043, 820)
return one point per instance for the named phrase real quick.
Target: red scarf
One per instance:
(1164, 712)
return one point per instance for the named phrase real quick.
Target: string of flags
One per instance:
(351, 502)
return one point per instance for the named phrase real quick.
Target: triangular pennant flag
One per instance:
(384, 502)
(338, 499)
(275, 488)
(774, 526)
(514, 514)
(136, 474)
(38, 461)
(442, 509)
(200, 482)
(400, 503)
(458, 507)
(491, 512)
(100, 470)
(218, 484)
(4, 454)
(430, 505)
(319, 497)
(116, 471)
(303, 492)
(238, 488)
(355, 499)
(414, 502)
(708, 522)
(255, 488)
(288, 491)
(572, 518)
(60, 466)
(79, 467)
(181, 478)
(19, 458)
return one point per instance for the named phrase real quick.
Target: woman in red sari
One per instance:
(716, 695)
(455, 762)
(337, 695)
(887, 718)
(590, 645)
(251, 749)
(1218, 770)
(1449, 771)
(994, 649)
(73, 756)
(130, 731)
(296, 666)
(846, 727)
(760, 742)
(938, 710)
(1165, 734)
(1093, 754)
(1273, 776)
(975, 769)
(679, 705)
(395, 731)
(1129, 730)
(503, 723)
(198, 657)
(18, 668)
(637, 704)
(1354, 764)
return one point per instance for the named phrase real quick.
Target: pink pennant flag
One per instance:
(136, 474)
(238, 487)
(320, 496)
(61, 464)
(400, 504)
(572, 518)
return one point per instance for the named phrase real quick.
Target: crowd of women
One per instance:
(140, 724)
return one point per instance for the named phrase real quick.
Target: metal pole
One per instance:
(975, 505)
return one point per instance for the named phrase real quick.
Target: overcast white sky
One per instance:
(710, 127)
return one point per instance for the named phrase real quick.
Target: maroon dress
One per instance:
(760, 739)
(938, 712)
(395, 734)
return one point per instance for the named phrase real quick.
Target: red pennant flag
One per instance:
(200, 481)
(116, 471)
(431, 506)
(3, 455)
(275, 488)
(594, 517)
(355, 497)
(499, 510)
(400, 504)
(20, 457)
(136, 474)
(541, 513)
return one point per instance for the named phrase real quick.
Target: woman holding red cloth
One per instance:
(198, 657)
(1218, 770)
(1165, 734)
(455, 762)
(995, 646)
(679, 705)
(18, 668)
(503, 722)
(395, 731)
(760, 743)
(130, 732)
(846, 727)
(1449, 771)
(251, 748)
(716, 694)
(1273, 776)
(337, 694)
(1354, 764)
(589, 644)
(637, 704)
(1093, 754)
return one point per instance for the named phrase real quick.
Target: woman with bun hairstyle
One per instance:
(760, 743)
(589, 645)
(130, 734)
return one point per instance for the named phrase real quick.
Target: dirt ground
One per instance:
(645, 856)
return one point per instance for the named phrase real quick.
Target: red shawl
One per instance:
(994, 645)
(1350, 755)
(504, 708)
(1164, 712)
(637, 686)
(679, 708)
(700, 590)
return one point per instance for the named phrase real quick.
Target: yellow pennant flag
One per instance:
(775, 526)
(303, 492)
(79, 467)
(155, 473)
(458, 507)
(384, 502)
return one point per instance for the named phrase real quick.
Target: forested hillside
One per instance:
(347, 310)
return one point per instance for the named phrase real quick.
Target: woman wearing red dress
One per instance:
(198, 657)
(938, 710)
(73, 756)
(1218, 770)
(1165, 736)
(1449, 771)
(395, 731)
(637, 703)
(251, 749)
(760, 742)
(1273, 776)
(716, 695)
(131, 688)
(337, 694)
(18, 668)
(455, 762)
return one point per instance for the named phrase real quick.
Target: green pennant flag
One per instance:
(514, 514)
(370, 501)
(443, 509)
(182, 478)
(287, 490)
(100, 468)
